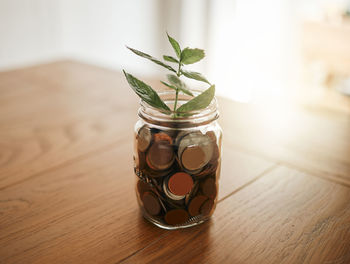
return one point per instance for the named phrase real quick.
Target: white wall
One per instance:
(254, 48)
(95, 31)
(241, 37)
(252, 45)
(29, 32)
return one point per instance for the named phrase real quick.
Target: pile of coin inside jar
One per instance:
(177, 174)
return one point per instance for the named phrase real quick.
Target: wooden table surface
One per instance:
(67, 183)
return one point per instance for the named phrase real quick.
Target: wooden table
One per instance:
(67, 183)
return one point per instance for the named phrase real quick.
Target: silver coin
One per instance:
(143, 138)
(195, 151)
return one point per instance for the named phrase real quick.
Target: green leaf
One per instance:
(149, 57)
(195, 75)
(189, 56)
(176, 46)
(169, 58)
(145, 92)
(199, 102)
(174, 80)
(168, 85)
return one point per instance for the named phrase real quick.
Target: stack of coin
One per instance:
(178, 174)
(177, 186)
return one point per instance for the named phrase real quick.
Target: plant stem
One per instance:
(177, 93)
(179, 70)
(177, 90)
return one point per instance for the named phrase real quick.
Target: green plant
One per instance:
(184, 57)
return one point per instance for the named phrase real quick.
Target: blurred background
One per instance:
(257, 51)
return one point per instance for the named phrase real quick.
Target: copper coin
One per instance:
(163, 137)
(176, 216)
(209, 187)
(170, 194)
(180, 183)
(195, 204)
(209, 169)
(157, 173)
(144, 137)
(212, 135)
(193, 193)
(160, 155)
(176, 203)
(151, 203)
(206, 207)
(141, 160)
(142, 187)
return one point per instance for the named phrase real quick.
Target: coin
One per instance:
(157, 173)
(216, 151)
(192, 193)
(160, 155)
(206, 207)
(194, 152)
(142, 187)
(170, 194)
(209, 169)
(179, 136)
(141, 160)
(193, 158)
(180, 183)
(161, 136)
(208, 187)
(212, 135)
(196, 204)
(176, 216)
(144, 137)
(151, 203)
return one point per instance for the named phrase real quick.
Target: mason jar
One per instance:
(177, 163)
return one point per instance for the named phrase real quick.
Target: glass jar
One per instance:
(177, 163)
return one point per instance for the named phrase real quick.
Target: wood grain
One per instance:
(50, 114)
(284, 217)
(64, 116)
(87, 209)
(238, 169)
(310, 139)
(67, 185)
